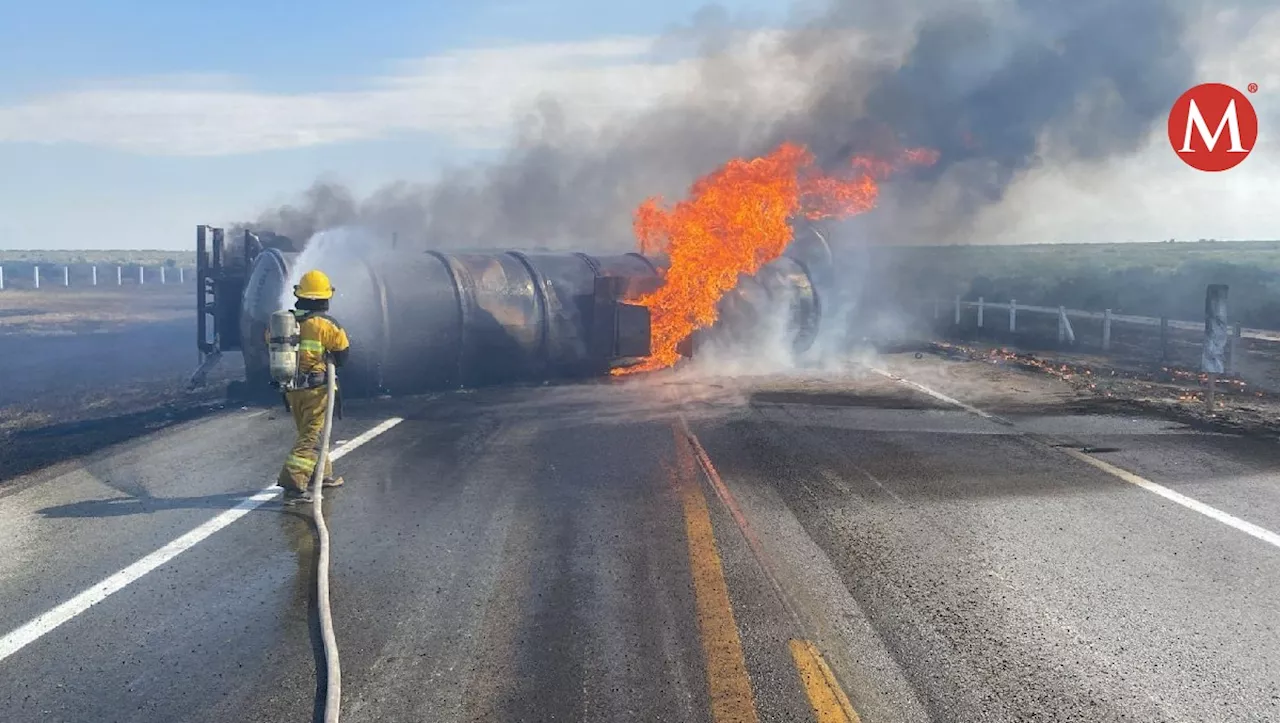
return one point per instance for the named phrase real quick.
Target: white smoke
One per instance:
(339, 253)
(767, 349)
(860, 314)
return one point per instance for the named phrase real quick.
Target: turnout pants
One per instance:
(307, 406)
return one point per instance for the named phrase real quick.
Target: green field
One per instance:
(1140, 278)
(125, 257)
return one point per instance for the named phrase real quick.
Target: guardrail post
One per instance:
(1013, 315)
(1233, 365)
(66, 275)
(95, 275)
(37, 275)
(957, 309)
(1065, 332)
(1106, 330)
(1164, 339)
(980, 309)
(119, 276)
(1215, 336)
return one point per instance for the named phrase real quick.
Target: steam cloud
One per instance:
(997, 86)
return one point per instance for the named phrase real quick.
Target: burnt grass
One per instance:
(1142, 373)
(80, 372)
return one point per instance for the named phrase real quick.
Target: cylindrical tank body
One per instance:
(780, 296)
(430, 320)
(433, 320)
(783, 297)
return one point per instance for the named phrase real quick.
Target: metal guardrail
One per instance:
(1220, 353)
(39, 275)
(1107, 317)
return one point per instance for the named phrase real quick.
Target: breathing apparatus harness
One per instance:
(284, 346)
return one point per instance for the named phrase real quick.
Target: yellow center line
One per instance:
(731, 696)
(729, 685)
(830, 705)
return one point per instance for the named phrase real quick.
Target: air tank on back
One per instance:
(427, 320)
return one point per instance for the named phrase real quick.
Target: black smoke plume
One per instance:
(996, 86)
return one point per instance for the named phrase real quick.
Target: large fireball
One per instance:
(736, 220)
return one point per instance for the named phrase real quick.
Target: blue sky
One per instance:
(126, 123)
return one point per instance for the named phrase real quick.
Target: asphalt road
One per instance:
(687, 551)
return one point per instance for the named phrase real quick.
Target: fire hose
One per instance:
(333, 674)
(282, 339)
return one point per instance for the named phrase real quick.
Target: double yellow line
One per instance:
(828, 700)
(729, 684)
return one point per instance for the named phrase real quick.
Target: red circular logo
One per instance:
(1213, 127)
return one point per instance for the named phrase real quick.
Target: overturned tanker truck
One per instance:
(428, 320)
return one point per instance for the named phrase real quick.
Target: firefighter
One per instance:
(320, 338)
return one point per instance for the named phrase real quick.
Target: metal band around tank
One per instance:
(589, 261)
(385, 322)
(540, 296)
(464, 292)
(646, 260)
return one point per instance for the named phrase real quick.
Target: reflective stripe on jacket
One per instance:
(317, 333)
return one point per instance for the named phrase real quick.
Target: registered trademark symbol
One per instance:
(1253, 87)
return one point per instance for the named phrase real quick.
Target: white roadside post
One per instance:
(181, 276)
(980, 308)
(119, 276)
(141, 279)
(957, 310)
(1065, 332)
(1215, 337)
(1013, 315)
(37, 276)
(66, 275)
(95, 275)
(1233, 366)
(1, 278)
(1106, 330)
(162, 275)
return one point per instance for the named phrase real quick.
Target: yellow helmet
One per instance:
(313, 285)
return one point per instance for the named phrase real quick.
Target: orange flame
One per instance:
(737, 220)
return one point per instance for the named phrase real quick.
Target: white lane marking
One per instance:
(46, 622)
(938, 395)
(1195, 505)
(878, 483)
(346, 447)
(1246, 527)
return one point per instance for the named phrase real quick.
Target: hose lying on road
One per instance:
(333, 677)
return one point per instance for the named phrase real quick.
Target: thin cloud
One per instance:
(471, 97)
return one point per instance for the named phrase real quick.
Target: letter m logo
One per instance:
(1230, 121)
(1228, 112)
